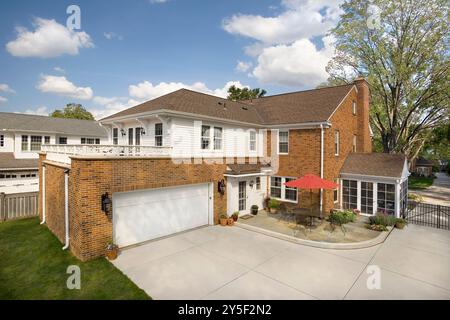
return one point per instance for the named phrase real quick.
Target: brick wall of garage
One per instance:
(90, 228)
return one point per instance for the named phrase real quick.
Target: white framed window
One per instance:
(349, 194)
(62, 140)
(258, 183)
(130, 136)
(283, 141)
(279, 191)
(158, 134)
(46, 139)
(218, 138)
(354, 143)
(115, 136)
(354, 107)
(24, 143)
(2, 140)
(252, 140)
(90, 141)
(336, 192)
(138, 133)
(36, 142)
(205, 138)
(336, 142)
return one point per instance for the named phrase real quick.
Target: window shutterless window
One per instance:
(62, 140)
(336, 142)
(349, 194)
(138, 136)
(115, 136)
(217, 138)
(354, 143)
(205, 139)
(258, 183)
(275, 187)
(2, 140)
(336, 192)
(36, 142)
(252, 141)
(158, 134)
(386, 198)
(367, 197)
(97, 141)
(46, 139)
(354, 107)
(283, 141)
(83, 141)
(24, 143)
(290, 193)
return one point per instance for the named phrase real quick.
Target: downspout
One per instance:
(321, 165)
(43, 194)
(66, 207)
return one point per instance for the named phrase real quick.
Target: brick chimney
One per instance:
(364, 139)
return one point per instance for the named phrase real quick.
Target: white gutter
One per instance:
(43, 195)
(66, 207)
(321, 164)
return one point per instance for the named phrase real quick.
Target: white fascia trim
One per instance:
(362, 176)
(229, 175)
(342, 101)
(305, 125)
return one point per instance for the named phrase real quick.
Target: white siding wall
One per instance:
(253, 196)
(8, 142)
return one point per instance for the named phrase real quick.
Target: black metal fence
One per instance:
(427, 214)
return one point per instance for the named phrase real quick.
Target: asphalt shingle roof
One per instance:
(297, 107)
(374, 164)
(26, 122)
(8, 162)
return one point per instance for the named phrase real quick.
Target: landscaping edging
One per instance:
(321, 244)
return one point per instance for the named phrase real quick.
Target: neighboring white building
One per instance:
(21, 137)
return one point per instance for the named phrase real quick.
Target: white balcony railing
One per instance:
(62, 152)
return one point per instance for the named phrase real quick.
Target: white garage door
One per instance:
(148, 214)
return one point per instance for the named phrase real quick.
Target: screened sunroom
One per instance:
(374, 182)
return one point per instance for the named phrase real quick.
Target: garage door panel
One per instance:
(152, 214)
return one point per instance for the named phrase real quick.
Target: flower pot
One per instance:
(273, 210)
(400, 225)
(235, 218)
(230, 221)
(112, 254)
(223, 221)
(254, 210)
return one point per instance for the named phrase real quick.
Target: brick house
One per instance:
(179, 161)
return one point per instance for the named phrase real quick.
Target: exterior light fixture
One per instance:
(251, 183)
(142, 130)
(221, 187)
(123, 132)
(106, 204)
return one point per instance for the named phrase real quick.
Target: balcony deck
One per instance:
(63, 152)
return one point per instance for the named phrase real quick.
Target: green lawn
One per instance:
(33, 266)
(417, 183)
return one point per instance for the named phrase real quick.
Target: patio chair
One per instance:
(286, 212)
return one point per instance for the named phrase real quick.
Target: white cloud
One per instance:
(243, 66)
(112, 36)
(111, 105)
(49, 39)
(283, 47)
(146, 90)
(158, 1)
(294, 65)
(63, 87)
(5, 88)
(39, 111)
(59, 69)
(3, 99)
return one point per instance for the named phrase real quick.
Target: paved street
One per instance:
(439, 192)
(233, 263)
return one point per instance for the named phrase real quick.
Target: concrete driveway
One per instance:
(233, 263)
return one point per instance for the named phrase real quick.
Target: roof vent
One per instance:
(244, 108)
(224, 104)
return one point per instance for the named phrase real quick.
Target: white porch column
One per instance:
(375, 197)
(358, 195)
(397, 199)
(43, 194)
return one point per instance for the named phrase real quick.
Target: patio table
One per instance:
(308, 213)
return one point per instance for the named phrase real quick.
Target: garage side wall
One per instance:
(91, 229)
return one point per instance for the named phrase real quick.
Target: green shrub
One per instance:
(377, 227)
(342, 217)
(383, 219)
(274, 204)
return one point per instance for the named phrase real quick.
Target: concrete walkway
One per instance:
(439, 192)
(233, 263)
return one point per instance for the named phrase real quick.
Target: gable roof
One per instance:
(423, 162)
(315, 105)
(193, 102)
(375, 164)
(8, 162)
(27, 122)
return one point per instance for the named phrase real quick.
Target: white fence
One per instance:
(18, 205)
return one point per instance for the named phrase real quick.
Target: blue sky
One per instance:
(130, 51)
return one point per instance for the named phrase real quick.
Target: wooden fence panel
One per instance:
(18, 205)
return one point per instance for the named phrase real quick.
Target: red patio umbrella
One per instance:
(311, 181)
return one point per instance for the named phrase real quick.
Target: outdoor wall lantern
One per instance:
(123, 132)
(251, 183)
(142, 131)
(106, 204)
(221, 187)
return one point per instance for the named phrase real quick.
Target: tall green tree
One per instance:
(73, 111)
(237, 94)
(402, 48)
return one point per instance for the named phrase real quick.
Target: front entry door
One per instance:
(242, 195)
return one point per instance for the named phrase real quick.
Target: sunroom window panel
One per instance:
(350, 194)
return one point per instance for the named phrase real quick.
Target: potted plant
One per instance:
(273, 205)
(223, 219)
(266, 203)
(230, 221)
(254, 209)
(235, 216)
(400, 223)
(112, 250)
